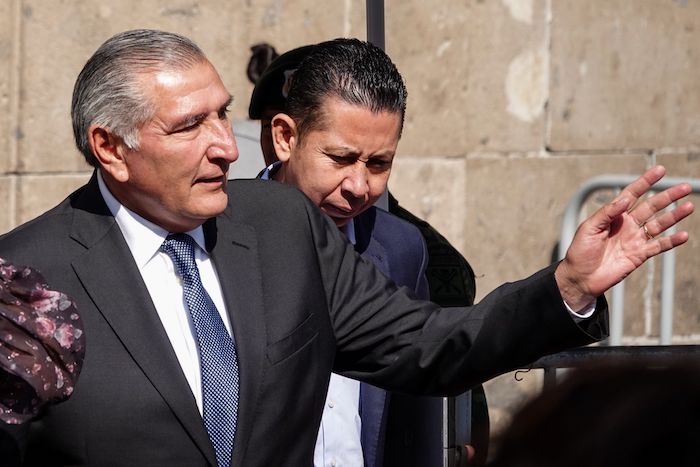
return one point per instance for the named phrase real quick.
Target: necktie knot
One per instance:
(180, 248)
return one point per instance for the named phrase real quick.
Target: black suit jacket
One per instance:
(302, 303)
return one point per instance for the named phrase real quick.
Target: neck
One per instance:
(280, 175)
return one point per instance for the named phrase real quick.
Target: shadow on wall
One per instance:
(250, 159)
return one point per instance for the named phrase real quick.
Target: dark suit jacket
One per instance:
(395, 247)
(452, 282)
(398, 250)
(302, 303)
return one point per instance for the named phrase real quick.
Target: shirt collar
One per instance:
(268, 172)
(143, 237)
(349, 231)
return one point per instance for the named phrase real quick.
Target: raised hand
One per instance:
(619, 237)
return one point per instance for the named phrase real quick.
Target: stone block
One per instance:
(624, 74)
(477, 74)
(7, 200)
(434, 190)
(54, 47)
(507, 393)
(39, 193)
(286, 26)
(513, 206)
(8, 76)
(64, 38)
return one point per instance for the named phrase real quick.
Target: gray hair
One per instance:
(107, 92)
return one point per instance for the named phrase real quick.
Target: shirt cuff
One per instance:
(585, 313)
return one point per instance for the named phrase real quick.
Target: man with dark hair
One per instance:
(450, 277)
(354, 424)
(391, 429)
(214, 314)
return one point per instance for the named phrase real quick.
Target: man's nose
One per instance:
(356, 181)
(223, 143)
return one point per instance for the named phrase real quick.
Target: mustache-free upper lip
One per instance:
(214, 178)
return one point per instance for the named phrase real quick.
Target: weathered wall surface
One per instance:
(512, 105)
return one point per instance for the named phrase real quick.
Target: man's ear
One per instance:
(284, 135)
(109, 150)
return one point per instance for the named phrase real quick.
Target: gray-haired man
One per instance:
(156, 247)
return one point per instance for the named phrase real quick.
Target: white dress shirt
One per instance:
(339, 436)
(144, 239)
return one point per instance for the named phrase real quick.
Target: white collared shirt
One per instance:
(339, 441)
(144, 239)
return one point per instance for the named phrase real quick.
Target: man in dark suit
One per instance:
(355, 416)
(361, 424)
(268, 276)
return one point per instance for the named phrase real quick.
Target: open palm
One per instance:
(619, 237)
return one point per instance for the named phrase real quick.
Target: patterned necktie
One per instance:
(217, 352)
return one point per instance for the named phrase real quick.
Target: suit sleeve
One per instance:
(390, 339)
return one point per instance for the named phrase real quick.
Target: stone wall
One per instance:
(512, 105)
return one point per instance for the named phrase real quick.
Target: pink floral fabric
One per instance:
(41, 344)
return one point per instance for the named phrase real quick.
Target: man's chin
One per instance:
(342, 221)
(214, 204)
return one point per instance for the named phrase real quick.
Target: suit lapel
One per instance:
(373, 403)
(111, 278)
(373, 400)
(233, 249)
(366, 243)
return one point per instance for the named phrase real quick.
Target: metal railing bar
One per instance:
(570, 218)
(649, 354)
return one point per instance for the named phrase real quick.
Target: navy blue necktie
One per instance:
(217, 352)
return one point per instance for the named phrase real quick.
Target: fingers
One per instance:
(646, 213)
(661, 244)
(629, 195)
(660, 201)
(641, 185)
(663, 222)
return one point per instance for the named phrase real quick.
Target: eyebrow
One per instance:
(189, 120)
(350, 152)
(341, 149)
